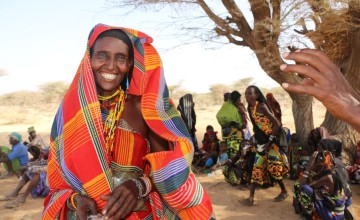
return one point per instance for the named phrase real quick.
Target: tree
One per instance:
(324, 24)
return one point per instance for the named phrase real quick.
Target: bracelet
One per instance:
(147, 185)
(72, 200)
(140, 187)
(304, 175)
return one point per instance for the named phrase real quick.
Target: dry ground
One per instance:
(224, 197)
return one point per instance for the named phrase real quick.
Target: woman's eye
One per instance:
(121, 58)
(101, 55)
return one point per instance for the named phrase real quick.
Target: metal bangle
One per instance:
(140, 187)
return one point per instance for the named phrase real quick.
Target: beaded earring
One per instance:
(127, 82)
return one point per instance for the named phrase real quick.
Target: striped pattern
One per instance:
(78, 145)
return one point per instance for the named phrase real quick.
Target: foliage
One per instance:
(53, 91)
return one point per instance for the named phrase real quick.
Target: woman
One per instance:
(118, 146)
(232, 111)
(186, 108)
(270, 161)
(323, 191)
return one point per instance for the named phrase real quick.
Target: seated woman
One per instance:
(233, 149)
(322, 192)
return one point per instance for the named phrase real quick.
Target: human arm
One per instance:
(324, 81)
(15, 153)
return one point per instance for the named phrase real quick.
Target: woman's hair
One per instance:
(209, 127)
(121, 35)
(234, 97)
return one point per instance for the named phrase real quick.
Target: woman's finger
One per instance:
(321, 56)
(129, 205)
(304, 89)
(314, 59)
(304, 70)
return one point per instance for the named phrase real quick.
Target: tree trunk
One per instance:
(345, 133)
(350, 66)
(303, 116)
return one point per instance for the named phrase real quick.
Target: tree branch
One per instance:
(230, 38)
(275, 18)
(219, 21)
(239, 19)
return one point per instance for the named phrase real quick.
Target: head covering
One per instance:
(234, 97)
(226, 96)
(31, 129)
(16, 135)
(186, 108)
(77, 130)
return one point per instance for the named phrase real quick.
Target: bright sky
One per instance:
(43, 41)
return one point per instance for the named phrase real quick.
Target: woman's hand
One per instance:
(121, 201)
(85, 206)
(324, 81)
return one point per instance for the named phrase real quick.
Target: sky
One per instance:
(43, 41)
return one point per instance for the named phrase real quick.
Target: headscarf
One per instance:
(16, 136)
(78, 144)
(187, 111)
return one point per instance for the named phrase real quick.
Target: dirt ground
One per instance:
(225, 198)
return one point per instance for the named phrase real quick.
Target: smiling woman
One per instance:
(135, 149)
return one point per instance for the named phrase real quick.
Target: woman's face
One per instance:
(110, 64)
(250, 95)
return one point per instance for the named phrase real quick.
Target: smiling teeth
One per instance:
(108, 76)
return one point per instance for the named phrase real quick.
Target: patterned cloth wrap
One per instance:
(78, 144)
(274, 164)
(317, 203)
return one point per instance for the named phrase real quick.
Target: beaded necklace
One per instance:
(115, 110)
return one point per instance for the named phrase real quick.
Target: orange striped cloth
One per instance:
(78, 161)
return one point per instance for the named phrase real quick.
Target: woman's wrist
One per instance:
(144, 186)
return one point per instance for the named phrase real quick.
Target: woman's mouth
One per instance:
(108, 76)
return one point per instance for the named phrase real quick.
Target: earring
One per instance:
(127, 81)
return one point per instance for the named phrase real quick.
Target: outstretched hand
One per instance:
(85, 207)
(324, 81)
(121, 201)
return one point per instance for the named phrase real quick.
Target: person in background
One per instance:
(18, 152)
(35, 140)
(233, 149)
(270, 161)
(223, 157)
(231, 111)
(322, 191)
(226, 96)
(315, 136)
(136, 150)
(274, 106)
(186, 108)
(323, 80)
(35, 176)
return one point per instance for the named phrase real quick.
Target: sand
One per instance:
(225, 198)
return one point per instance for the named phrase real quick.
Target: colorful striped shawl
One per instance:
(77, 159)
